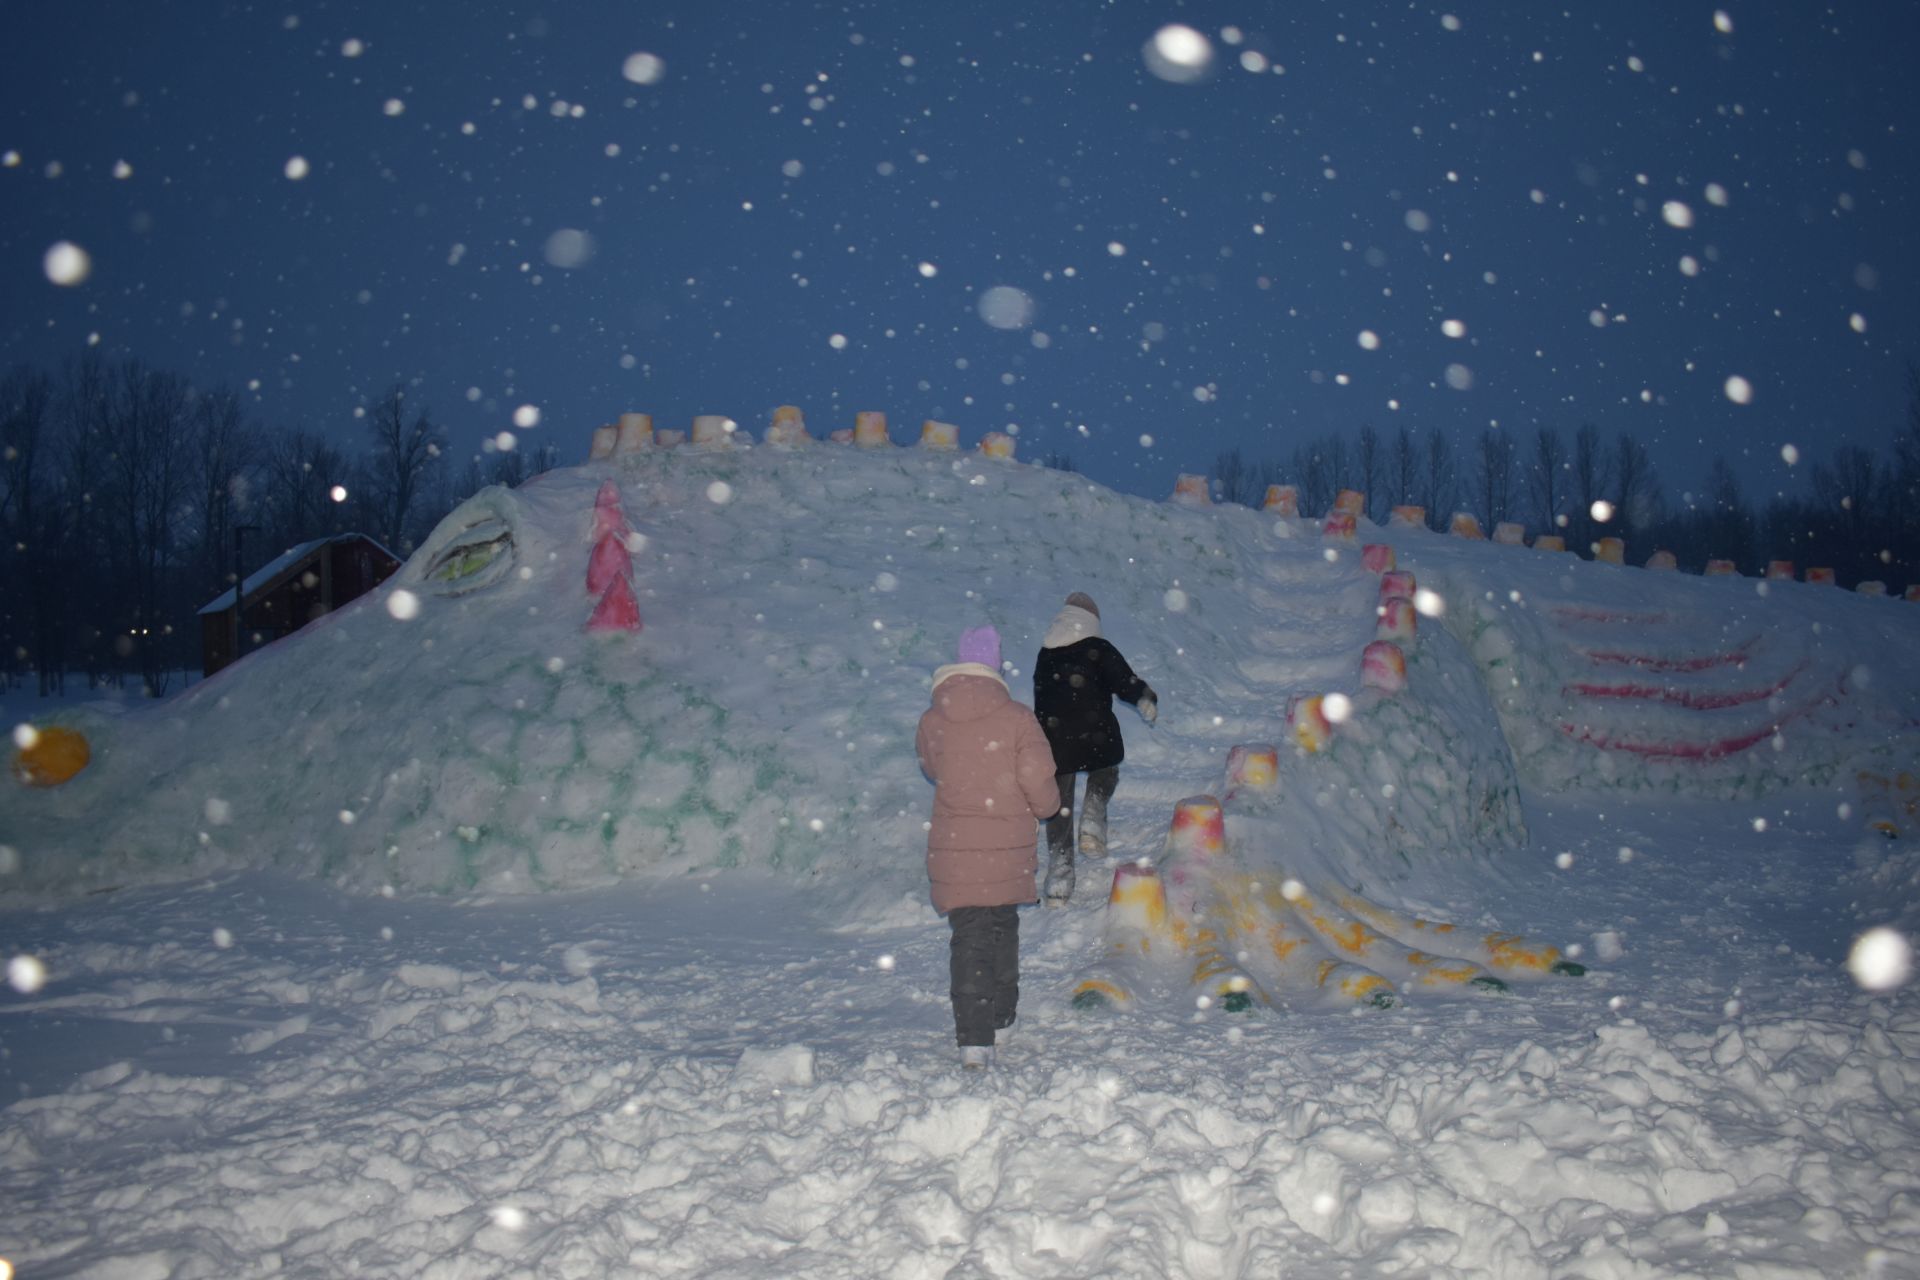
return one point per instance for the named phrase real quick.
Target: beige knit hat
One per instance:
(1081, 600)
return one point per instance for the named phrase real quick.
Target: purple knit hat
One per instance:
(981, 645)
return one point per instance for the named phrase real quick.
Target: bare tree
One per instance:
(1635, 486)
(1493, 475)
(225, 449)
(148, 486)
(404, 448)
(1312, 473)
(1235, 479)
(1591, 480)
(1406, 466)
(1369, 467)
(1436, 480)
(26, 596)
(1547, 479)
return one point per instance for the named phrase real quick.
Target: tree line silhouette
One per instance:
(129, 498)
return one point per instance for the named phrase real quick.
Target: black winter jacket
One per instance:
(1073, 691)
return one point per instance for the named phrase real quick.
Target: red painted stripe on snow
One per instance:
(1691, 699)
(1583, 613)
(1700, 662)
(1713, 750)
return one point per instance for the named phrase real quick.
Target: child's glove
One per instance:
(1149, 706)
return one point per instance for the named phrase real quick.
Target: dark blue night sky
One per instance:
(810, 203)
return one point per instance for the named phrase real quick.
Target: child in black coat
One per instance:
(1075, 680)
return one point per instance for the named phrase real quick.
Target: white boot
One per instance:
(976, 1057)
(1059, 886)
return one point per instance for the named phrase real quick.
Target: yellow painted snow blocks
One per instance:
(713, 430)
(51, 756)
(1408, 516)
(1307, 718)
(789, 426)
(1664, 560)
(1509, 534)
(942, 437)
(1465, 525)
(1820, 577)
(1549, 542)
(636, 433)
(870, 429)
(1610, 551)
(1252, 768)
(1282, 500)
(1506, 953)
(1350, 502)
(1721, 569)
(997, 444)
(1198, 830)
(1192, 491)
(604, 439)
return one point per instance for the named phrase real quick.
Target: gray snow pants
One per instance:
(985, 956)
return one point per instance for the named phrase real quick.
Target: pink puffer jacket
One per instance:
(992, 777)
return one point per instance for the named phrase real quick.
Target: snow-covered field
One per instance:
(456, 942)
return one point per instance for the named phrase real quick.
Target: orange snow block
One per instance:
(1338, 524)
(1822, 577)
(870, 429)
(1780, 570)
(1720, 569)
(1308, 720)
(1465, 525)
(667, 438)
(1397, 584)
(1549, 542)
(1350, 502)
(617, 610)
(1509, 534)
(1406, 515)
(608, 561)
(1383, 666)
(604, 439)
(941, 436)
(1377, 557)
(1254, 767)
(1399, 621)
(1282, 500)
(636, 433)
(1871, 588)
(713, 429)
(1137, 902)
(1199, 829)
(1192, 490)
(48, 757)
(997, 444)
(789, 426)
(1610, 551)
(1662, 560)
(841, 435)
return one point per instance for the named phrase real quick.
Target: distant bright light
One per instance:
(1178, 54)
(67, 263)
(1857, 322)
(1369, 340)
(1723, 22)
(569, 247)
(884, 964)
(1336, 707)
(928, 270)
(643, 68)
(297, 168)
(26, 974)
(1739, 390)
(527, 417)
(1881, 959)
(1454, 328)
(1676, 214)
(509, 1218)
(1115, 248)
(1449, 22)
(1601, 510)
(1146, 442)
(338, 493)
(404, 605)
(223, 938)
(1005, 307)
(793, 168)
(1790, 454)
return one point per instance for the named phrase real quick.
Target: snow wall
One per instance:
(795, 601)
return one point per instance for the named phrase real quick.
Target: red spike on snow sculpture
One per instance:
(1377, 557)
(1307, 717)
(617, 610)
(1384, 667)
(870, 429)
(1399, 621)
(607, 515)
(609, 560)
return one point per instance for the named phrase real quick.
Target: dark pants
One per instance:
(985, 958)
(1100, 785)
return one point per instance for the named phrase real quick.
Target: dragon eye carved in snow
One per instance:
(477, 557)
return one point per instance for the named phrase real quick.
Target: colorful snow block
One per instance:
(1137, 902)
(1871, 588)
(997, 444)
(1465, 525)
(50, 757)
(1199, 828)
(1252, 767)
(1399, 621)
(870, 430)
(942, 437)
(1780, 570)
(1282, 500)
(1821, 577)
(617, 610)
(1192, 491)
(1383, 666)
(841, 435)
(609, 560)
(668, 438)
(1377, 557)
(715, 430)
(1913, 592)
(1339, 524)
(636, 433)
(1720, 569)
(1663, 560)
(1350, 502)
(1408, 516)
(1610, 551)
(1308, 720)
(604, 439)
(1549, 542)
(1397, 584)
(1509, 534)
(789, 426)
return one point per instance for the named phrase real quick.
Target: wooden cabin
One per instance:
(284, 595)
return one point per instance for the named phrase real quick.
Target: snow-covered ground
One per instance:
(456, 942)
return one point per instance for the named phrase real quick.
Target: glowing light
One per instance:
(67, 263)
(1369, 340)
(1178, 54)
(1881, 959)
(1723, 22)
(504, 442)
(1116, 249)
(394, 107)
(1454, 328)
(121, 169)
(403, 605)
(884, 964)
(1601, 510)
(1336, 707)
(643, 68)
(24, 736)
(338, 493)
(527, 417)
(297, 168)
(1716, 195)
(1739, 390)
(219, 812)
(886, 582)
(1417, 220)
(1146, 442)
(26, 974)
(1429, 603)
(838, 341)
(1790, 454)
(509, 1218)
(1857, 322)
(1676, 213)
(1564, 861)
(928, 270)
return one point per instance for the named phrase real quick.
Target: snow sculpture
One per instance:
(604, 439)
(1890, 803)
(1199, 828)
(1384, 667)
(1820, 577)
(607, 515)
(715, 430)
(1339, 524)
(1191, 491)
(1871, 588)
(1610, 551)
(1282, 500)
(1307, 718)
(789, 426)
(1350, 502)
(870, 429)
(635, 433)
(610, 566)
(1252, 768)
(1663, 560)
(51, 756)
(1549, 542)
(1780, 570)
(1397, 584)
(997, 444)
(841, 435)
(617, 610)
(1509, 534)
(1720, 569)
(1408, 517)
(1465, 525)
(1399, 621)
(609, 560)
(1377, 557)
(943, 437)
(667, 438)
(1913, 592)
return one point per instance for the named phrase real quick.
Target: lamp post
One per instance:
(239, 585)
